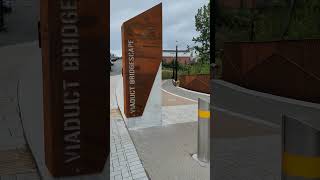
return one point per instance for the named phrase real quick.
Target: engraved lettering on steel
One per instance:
(142, 54)
(75, 41)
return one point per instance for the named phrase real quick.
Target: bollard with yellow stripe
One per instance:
(300, 150)
(203, 114)
(203, 131)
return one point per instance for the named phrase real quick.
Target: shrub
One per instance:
(166, 74)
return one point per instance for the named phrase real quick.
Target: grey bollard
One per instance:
(300, 150)
(203, 131)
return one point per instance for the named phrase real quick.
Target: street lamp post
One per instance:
(173, 73)
(176, 77)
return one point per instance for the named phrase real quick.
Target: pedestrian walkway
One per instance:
(166, 150)
(16, 160)
(125, 163)
(176, 109)
(163, 151)
(170, 88)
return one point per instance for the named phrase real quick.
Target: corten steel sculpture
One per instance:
(142, 55)
(75, 41)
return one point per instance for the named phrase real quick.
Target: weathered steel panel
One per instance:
(198, 82)
(75, 45)
(142, 55)
(231, 63)
(288, 68)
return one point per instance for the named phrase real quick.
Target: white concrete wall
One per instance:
(229, 97)
(152, 112)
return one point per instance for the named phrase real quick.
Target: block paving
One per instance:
(125, 163)
(16, 161)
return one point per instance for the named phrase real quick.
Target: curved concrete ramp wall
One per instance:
(229, 97)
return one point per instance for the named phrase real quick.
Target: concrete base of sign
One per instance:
(202, 164)
(152, 112)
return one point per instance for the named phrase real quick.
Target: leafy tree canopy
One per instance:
(202, 24)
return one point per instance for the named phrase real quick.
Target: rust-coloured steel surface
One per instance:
(199, 82)
(142, 55)
(75, 44)
(288, 68)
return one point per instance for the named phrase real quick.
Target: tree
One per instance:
(292, 5)
(202, 23)
(305, 20)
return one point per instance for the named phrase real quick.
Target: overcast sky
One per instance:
(178, 20)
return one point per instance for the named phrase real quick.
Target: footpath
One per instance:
(16, 160)
(125, 163)
(165, 152)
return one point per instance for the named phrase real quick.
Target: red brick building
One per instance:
(183, 57)
(181, 60)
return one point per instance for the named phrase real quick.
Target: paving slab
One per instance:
(166, 152)
(179, 114)
(173, 100)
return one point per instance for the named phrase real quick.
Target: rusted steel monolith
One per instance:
(75, 48)
(142, 55)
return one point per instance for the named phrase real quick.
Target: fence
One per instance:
(283, 68)
(199, 83)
